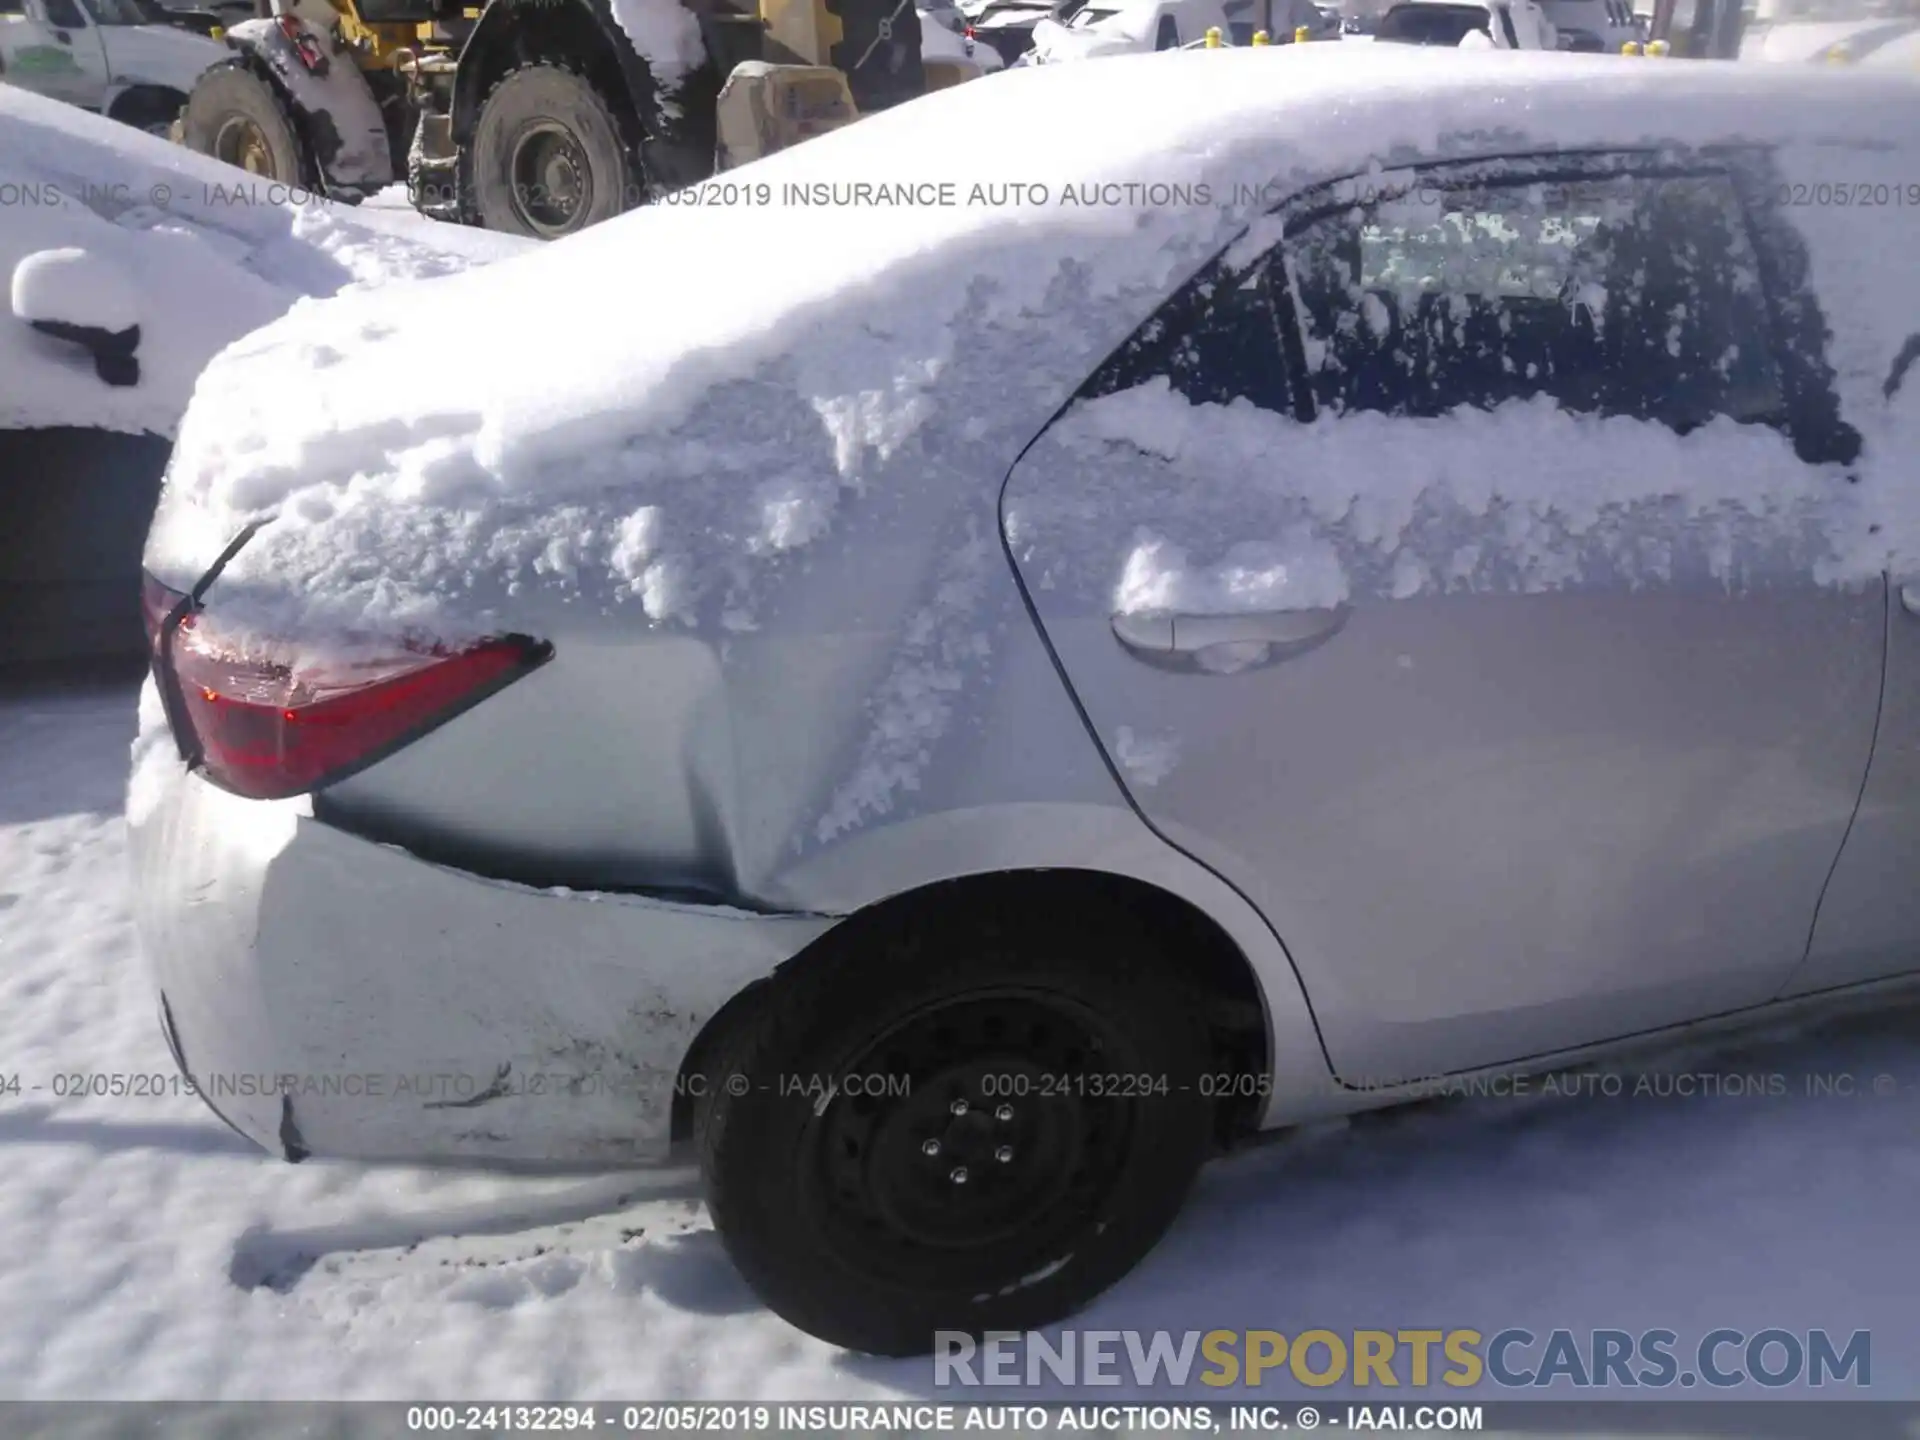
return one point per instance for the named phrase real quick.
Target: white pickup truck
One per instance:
(108, 56)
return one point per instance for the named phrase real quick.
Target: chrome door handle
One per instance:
(1166, 634)
(1910, 597)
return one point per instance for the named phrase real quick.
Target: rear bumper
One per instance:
(334, 997)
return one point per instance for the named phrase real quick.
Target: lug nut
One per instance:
(930, 1147)
(1004, 1113)
(1003, 1154)
(959, 1175)
(959, 1107)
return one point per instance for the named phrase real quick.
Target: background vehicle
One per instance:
(1507, 24)
(1007, 25)
(945, 35)
(109, 56)
(1839, 31)
(210, 21)
(1700, 29)
(1585, 26)
(542, 118)
(1100, 29)
(1597, 27)
(912, 656)
(133, 255)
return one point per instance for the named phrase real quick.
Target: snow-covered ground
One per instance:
(145, 1251)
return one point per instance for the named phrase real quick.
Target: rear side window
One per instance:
(65, 15)
(1620, 295)
(1216, 341)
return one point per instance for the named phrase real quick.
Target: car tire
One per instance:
(1079, 1059)
(547, 156)
(232, 112)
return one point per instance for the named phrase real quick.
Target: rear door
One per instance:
(1867, 285)
(1440, 577)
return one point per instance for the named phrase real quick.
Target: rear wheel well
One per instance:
(1191, 944)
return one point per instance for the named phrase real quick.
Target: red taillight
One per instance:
(969, 32)
(304, 44)
(268, 720)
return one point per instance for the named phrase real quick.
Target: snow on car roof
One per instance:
(639, 354)
(211, 252)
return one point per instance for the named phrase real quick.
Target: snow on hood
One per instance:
(664, 402)
(209, 252)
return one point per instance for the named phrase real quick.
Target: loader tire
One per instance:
(235, 116)
(547, 156)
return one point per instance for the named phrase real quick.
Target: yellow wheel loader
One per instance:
(540, 117)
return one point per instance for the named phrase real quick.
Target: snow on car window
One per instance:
(1479, 253)
(1607, 335)
(1614, 295)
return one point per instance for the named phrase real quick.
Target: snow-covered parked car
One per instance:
(111, 56)
(126, 264)
(1843, 31)
(1161, 630)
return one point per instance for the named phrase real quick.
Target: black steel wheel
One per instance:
(975, 1129)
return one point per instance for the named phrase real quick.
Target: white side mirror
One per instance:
(87, 300)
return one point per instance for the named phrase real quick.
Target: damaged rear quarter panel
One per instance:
(505, 1022)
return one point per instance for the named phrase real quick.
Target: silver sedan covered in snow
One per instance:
(1056, 654)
